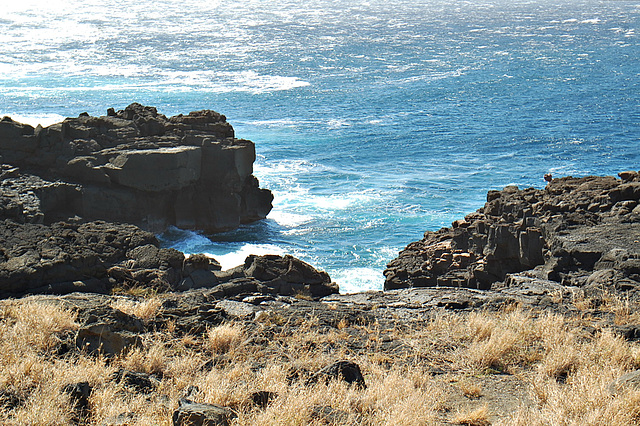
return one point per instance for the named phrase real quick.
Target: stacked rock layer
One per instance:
(135, 166)
(576, 231)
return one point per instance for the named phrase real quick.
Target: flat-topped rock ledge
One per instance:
(577, 233)
(135, 166)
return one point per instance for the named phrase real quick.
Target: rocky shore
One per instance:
(79, 201)
(577, 233)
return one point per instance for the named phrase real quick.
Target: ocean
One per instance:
(374, 121)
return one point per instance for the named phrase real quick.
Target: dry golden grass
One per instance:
(224, 338)
(145, 309)
(470, 390)
(476, 417)
(566, 370)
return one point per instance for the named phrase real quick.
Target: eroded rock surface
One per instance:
(100, 257)
(135, 166)
(577, 232)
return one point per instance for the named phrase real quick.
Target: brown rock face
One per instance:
(136, 166)
(576, 231)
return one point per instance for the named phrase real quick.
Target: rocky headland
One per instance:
(78, 200)
(577, 235)
(134, 166)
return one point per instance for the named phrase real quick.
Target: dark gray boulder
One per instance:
(194, 414)
(63, 257)
(108, 331)
(347, 371)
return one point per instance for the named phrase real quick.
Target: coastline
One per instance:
(479, 323)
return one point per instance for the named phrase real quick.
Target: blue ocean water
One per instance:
(373, 120)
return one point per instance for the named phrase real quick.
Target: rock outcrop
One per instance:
(579, 232)
(79, 199)
(135, 166)
(102, 257)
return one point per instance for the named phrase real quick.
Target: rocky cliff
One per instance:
(79, 199)
(579, 232)
(135, 166)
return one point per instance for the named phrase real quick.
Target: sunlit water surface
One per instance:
(374, 120)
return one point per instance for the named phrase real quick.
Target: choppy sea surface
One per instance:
(373, 120)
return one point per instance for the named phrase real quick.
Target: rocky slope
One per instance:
(135, 166)
(577, 232)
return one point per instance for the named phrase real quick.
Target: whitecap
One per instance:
(353, 280)
(225, 82)
(288, 219)
(256, 83)
(285, 169)
(274, 123)
(235, 258)
(591, 21)
(184, 240)
(341, 202)
(337, 124)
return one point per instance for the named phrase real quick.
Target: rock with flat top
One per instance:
(194, 414)
(140, 167)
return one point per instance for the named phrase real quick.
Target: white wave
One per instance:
(434, 76)
(591, 21)
(233, 259)
(188, 242)
(297, 231)
(285, 169)
(341, 201)
(384, 121)
(256, 83)
(34, 119)
(353, 280)
(289, 220)
(274, 123)
(224, 82)
(337, 124)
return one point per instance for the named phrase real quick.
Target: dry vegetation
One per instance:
(480, 368)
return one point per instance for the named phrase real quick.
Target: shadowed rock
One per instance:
(79, 394)
(135, 166)
(138, 382)
(347, 371)
(263, 399)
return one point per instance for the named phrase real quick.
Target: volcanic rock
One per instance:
(576, 232)
(347, 371)
(135, 166)
(194, 414)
